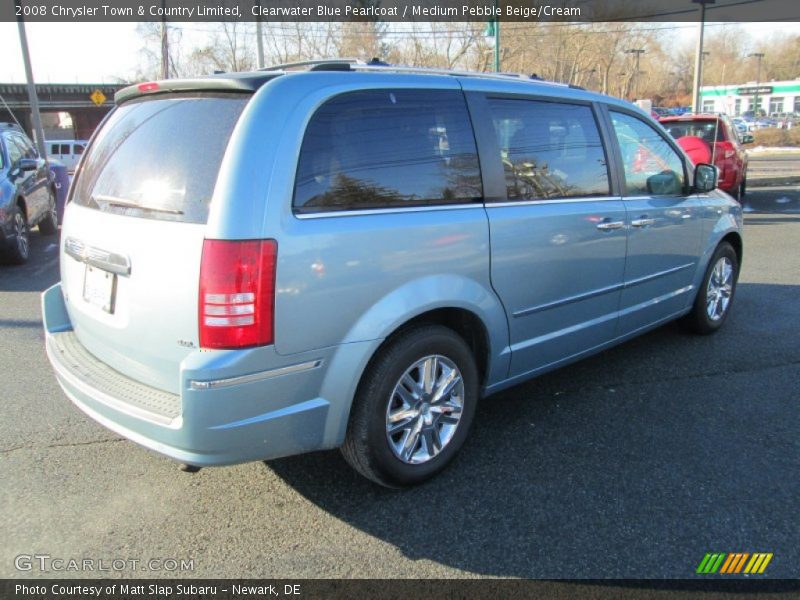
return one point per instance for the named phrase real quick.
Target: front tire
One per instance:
(413, 408)
(715, 296)
(19, 247)
(49, 224)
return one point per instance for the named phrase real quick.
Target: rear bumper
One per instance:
(221, 416)
(730, 179)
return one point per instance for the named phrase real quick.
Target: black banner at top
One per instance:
(398, 10)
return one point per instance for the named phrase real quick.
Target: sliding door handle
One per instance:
(608, 225)
(643, 222)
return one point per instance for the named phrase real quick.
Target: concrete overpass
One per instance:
(73, 98)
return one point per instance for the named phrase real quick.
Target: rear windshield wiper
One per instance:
(122, 203)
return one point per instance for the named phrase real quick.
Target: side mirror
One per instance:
(28, 164)
(705, 178)
(747, 139)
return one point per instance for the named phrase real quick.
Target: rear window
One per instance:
(159, 158)
(710, 131)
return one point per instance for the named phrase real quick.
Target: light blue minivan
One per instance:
(334, 254)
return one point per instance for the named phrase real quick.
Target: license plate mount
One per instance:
(99, 288)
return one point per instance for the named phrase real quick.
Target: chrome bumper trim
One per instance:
(220, 383)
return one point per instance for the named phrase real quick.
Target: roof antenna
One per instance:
(377, 62)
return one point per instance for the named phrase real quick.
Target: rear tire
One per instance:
(413, 408)
(715, 296)
(19, 248)
(49, 224)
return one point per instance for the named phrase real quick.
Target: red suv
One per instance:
(712, 138)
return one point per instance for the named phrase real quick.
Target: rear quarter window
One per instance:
(388, 148)
(159, 157)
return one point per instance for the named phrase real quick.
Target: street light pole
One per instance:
(759, 56)
(164, 44)
(33, 97)
(637, 52)
(259, 37)
(698, 57)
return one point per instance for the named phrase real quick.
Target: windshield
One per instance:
(159, 158)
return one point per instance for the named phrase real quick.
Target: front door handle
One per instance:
(608, 225)
(643, 222)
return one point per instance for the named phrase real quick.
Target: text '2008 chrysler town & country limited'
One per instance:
(256, 265)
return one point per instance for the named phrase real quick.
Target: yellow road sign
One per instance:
(97, 97)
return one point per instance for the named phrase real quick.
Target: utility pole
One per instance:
(164, 43)
(698, 57)
(497, 46)
(259, 34)
(759, 56)
(637, 52)
(33, 98)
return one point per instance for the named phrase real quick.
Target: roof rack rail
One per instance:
(377, 65)
(311, 64)
(435, 71)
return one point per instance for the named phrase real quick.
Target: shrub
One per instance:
(777, 137)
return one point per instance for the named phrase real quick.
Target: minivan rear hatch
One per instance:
(133, 236)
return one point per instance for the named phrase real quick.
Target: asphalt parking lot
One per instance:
(634, 463)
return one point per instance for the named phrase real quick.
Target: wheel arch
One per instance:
(464, 306)
(466, 323)
(735, 240)
(23, 206)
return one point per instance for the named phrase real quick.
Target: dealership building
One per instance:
(772, 97)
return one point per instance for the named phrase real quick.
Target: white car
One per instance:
(69, 152)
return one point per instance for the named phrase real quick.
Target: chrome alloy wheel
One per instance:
(424, 409)
(720, 288)
(21, 234)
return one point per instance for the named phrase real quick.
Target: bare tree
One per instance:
(150, 53)
(230, 48)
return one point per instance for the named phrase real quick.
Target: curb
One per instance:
(772, 181)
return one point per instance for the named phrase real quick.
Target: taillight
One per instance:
(725, 149)
(149, 86)
(237, 293)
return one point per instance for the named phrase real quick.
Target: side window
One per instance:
(548, 149)
(54, 149)
(652, 166)
(388, 148)
(27, 147)
(15, 152)
(78, 149)
(65, 150)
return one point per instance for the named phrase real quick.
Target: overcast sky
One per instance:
(100, 52)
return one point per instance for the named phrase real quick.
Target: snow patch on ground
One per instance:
(774, 150)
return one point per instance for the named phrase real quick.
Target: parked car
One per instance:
(740, 125)
(725, 147)
(27, 194)
(754, 115)
(263, 264)
(785, 120)
(67, 152)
